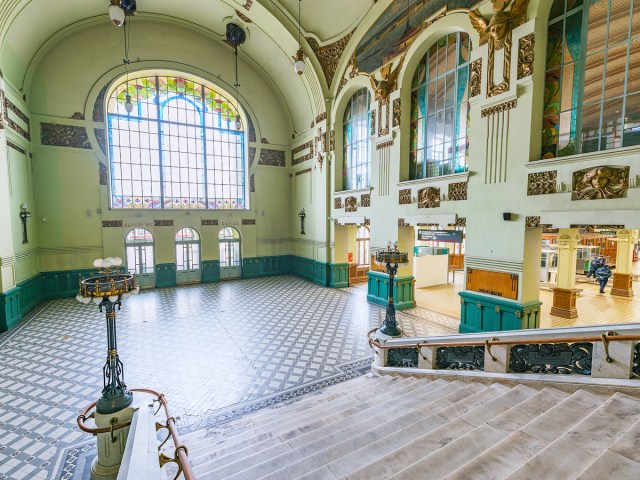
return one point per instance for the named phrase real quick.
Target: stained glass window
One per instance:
(440, 109)
(357, 157)
(592, 89)
(178, 147)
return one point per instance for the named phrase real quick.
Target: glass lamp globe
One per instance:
(238, 123)
(116, 14)
(299, 66)
(128, 106)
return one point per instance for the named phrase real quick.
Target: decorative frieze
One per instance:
(461, 221)
(402, 357)
(163, 223)
(396, 112)
(404, 196)
(10, 144)
(64, 136)
(457, 191)
(332, 140)
(98, 106)
(532, 222)
(248, 221)
(321, 118)
(9, 105)
(386, 144)
(552, 358)
(208, 222)
(102, 174)
(373, 122)
(383, 110)
(351, 204)
(247, 5)
(243, 17)
(475, 81)
(542, 183)
(601, 227)
(77, 116)
(402, 222)
(365, 200)
(600, 183)
(526, 56)
(636, 360)
(252, 129)
(503, 107)
(460, 358)
(337, 203)
(429, 197)
(272, 158)
(252, 155)
(101, 139)
(252, 183)
(302, 172)
(300, 148)
(112, 224)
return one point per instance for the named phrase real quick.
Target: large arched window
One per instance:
(362, 245)
(440, 109)
(357, 155)
(592, 90)
(178, 147)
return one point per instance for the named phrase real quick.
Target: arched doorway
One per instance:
(187, 256)
(230, 261)
(139, 248)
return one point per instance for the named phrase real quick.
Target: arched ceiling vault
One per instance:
(28, 28)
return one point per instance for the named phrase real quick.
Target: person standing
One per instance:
(595, 264)
(602, 275)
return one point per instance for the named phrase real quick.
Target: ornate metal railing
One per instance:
(180, 453)
(536, 352)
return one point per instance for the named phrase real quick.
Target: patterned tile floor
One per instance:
(214, 350)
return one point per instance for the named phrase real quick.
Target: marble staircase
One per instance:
(412, 428)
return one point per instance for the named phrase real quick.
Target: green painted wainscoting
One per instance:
(483, 313)
(378, 290)
(338, 275)
(302, 267)
(321, 273)
(166, 275)
(254, 267)
(26, 295)
(210, 270)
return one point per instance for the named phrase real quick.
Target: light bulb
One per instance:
(117, 261)
(97, 262)
(80, 298)
(86, 300)
(128, 106)
(389, 244)
(116, 14)
(113, 298)
(97, 300)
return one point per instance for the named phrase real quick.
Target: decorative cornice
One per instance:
(386, 144)
(321, 118)
(272, 158)
(502, 107)
(300, 148)
(16, 147)
(302, 172)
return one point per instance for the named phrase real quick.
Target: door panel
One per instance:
(230, 264)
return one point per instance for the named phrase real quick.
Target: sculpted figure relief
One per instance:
(600, 182)
(388, 83)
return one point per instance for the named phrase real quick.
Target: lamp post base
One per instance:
(111, 445)
(109, 404)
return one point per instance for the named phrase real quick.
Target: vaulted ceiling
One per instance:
(29, 28)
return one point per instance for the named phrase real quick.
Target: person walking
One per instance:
(602, 275)
(595, 264)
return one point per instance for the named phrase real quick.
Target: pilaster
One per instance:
(565, 293)
(622, 278)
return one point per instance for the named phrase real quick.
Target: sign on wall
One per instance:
(493, 283)
(451, 236)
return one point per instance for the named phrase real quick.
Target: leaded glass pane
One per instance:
(439, 128)
(179, 148)
(357, 161)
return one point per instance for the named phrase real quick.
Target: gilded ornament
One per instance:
(351, 204)
(497, 32)
(532, 222)
(337, 203)
(329, 55)
(526, 56)
(476, 78)
(384, 105)
(388, 83)
(365, 200)
(396, 112)
(503, 107)
(542, 183)
(600, 183)
(461, 221)
(457, 191)
(404, 196)
(429, 197)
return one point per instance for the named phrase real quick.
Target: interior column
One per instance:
(622, 277)
(565, 293)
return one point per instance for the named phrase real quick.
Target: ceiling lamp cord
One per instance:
(298, 58)
(128, 105)
(236, 85)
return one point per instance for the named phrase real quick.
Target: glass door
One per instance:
(230, 260)
(139, 248)
(187, 256)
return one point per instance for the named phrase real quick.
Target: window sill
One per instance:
(353, 192)
(584, 157)
(456, 177)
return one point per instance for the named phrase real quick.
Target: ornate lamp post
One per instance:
(107, 290)
(302, 216)
(391, 258)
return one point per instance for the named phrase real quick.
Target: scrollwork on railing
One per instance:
(402, 357)
(552, 358)
(636, 360)
(460, 358)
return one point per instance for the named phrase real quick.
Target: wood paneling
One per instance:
(494, 283)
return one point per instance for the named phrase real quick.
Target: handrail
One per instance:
(608, 337)
(180, 456)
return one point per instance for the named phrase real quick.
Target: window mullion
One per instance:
(626, 75)
(160, 153)
(583, 66)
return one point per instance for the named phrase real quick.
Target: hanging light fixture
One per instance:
(128, 105)
(119, 9)
(298, 58)
(235, 37)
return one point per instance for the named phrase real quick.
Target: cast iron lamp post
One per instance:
(302, 216)
(107, 291)
(24, 214)
(391, 258)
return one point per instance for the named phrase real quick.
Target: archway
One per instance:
(230, 259)
(139, 247)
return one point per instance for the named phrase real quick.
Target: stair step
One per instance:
(507, 456)
(333, 429)
(628, 445)
(612, 465)
(453, 455)
(583, 443)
